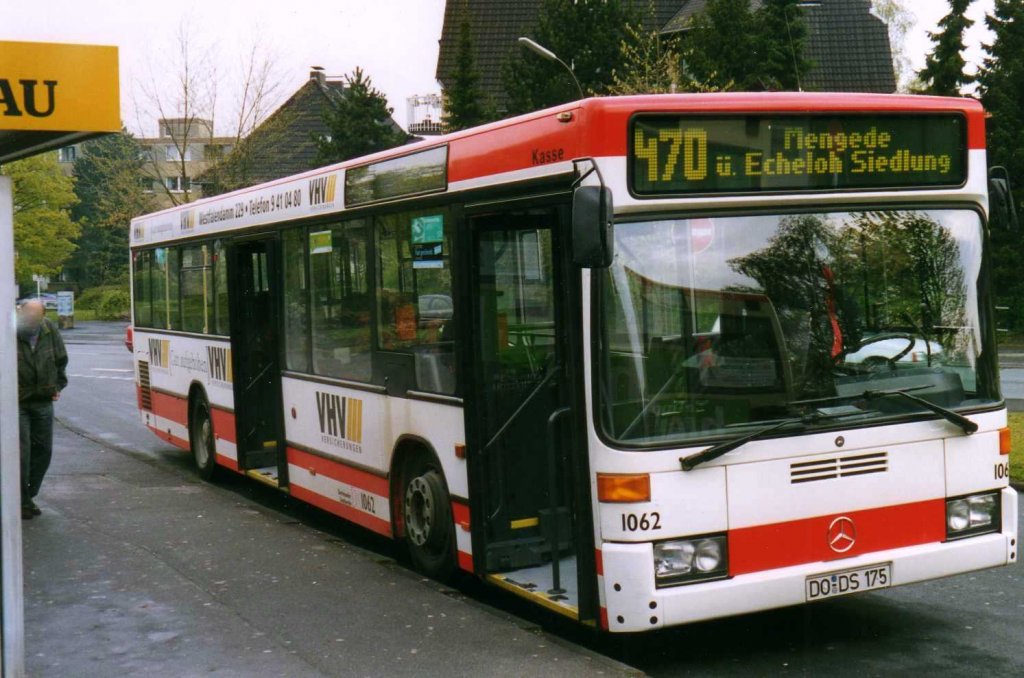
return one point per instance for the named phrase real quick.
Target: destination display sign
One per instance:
(683, 154)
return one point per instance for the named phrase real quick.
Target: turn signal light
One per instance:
(1005, 441)
(623, 487)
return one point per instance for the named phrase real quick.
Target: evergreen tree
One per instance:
(721, 47)
(107, 184)
(44, 233)
(359, 123)
(732, 46)
(465, 102)
(586, 35)
(782, 35)
(943, 72)
(1001, 85)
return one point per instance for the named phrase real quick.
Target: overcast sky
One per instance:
(395, 41)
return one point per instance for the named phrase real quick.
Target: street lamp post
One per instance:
(546, 53)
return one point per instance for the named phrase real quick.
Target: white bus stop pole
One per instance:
(12, 638)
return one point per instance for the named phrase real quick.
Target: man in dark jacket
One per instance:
(42, 359)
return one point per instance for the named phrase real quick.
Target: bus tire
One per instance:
(427, 518)
(200, 433)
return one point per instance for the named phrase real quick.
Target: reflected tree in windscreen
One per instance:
(818, 319)
(904, 269)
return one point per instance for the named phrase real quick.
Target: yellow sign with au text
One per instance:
(50, 87)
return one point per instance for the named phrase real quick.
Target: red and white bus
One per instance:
(643, 360)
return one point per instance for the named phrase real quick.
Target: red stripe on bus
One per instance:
(170, 407)
(604, 618)
(227, 462)
(223, 424)
(356, 516)
(170, 437)
(599, 562)
(515, 146)
(460, 513)
(766, 547)
(338, 471)
(465, 561)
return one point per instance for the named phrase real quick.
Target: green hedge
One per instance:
(110, 302)
(116, 305)
(92, 298)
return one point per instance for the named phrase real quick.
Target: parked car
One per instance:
(882, 350)
(49, 300)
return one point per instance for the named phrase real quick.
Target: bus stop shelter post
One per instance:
(12, 636)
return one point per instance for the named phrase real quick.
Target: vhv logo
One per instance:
(322, 190)
(29, 100)
(187, 220)
(341, 420)
(159, 350)
(219, 361)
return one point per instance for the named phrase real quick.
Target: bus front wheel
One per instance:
(200, 433)
(427, 515)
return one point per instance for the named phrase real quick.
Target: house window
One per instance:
(67, 154)
(146, 184)
(213, 152)
(177, 184)
(174, 153)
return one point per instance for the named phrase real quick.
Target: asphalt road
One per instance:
(971, 624)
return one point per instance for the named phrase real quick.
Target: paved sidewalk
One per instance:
(137, 568)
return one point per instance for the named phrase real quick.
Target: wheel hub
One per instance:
(420, 505)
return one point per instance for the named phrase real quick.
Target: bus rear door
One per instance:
(255, 349)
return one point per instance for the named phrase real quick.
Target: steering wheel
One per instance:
(910, 339)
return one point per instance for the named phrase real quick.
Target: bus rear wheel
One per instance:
(200, 433)
(427, 515)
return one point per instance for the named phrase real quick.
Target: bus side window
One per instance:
(143, 289)
(416, 311)
(340, 310)
(195, 284)
(174, 288)
(158, 279)
(220, 288)
(296, 300)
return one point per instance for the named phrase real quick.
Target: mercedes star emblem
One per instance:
(842, 535)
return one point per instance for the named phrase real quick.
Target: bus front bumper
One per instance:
(633, 602)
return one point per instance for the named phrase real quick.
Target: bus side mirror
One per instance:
(592, 227)
(1002, 210)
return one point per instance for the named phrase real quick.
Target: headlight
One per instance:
(683, 561)
(973, 515)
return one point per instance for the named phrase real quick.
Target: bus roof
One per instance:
(534, 145)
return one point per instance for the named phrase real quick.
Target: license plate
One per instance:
(832, 584)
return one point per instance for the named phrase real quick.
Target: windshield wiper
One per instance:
(716, 451)
(949, 415)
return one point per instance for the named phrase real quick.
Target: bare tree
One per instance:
(899, 20)
(188, 110)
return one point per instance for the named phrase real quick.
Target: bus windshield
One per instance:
(710, 324)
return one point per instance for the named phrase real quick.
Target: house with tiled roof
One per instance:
(847, 44)
(285, 143)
